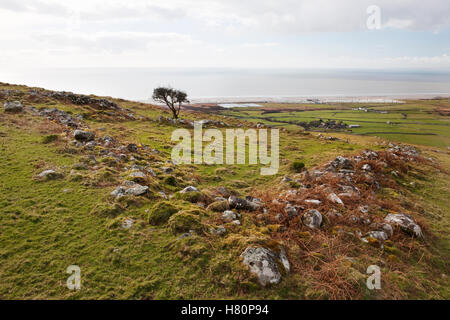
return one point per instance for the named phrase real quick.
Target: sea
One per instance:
(241, 85)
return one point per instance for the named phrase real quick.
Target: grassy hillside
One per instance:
(47, 224)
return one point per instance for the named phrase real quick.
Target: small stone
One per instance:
(312, 219)
(334, 198)
(220, 230)
(127, 223)
(313, 201)
(291, 211)
(132, 147)
(228, 215)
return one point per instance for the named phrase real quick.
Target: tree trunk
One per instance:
(174, 113)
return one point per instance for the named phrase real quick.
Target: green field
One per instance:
(415, 122)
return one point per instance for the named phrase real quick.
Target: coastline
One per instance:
(318, 99)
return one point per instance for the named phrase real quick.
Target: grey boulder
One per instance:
(405, 222)
(14, 106)
(264, 263)
(81, 135)
(312, 219)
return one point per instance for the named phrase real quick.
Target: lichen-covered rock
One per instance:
(81, 135)
(264, 263)
(49, 175)
(118, 192)
(312, 219)
(405, 222)
(14, 106)
(137, 190)
(228, 216)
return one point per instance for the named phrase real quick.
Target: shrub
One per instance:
(298, 166)
(50, 138)
(171, 181)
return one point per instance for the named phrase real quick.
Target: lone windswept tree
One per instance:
(171, 97)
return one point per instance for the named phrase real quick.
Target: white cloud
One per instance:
(209, 32)
(114, 41)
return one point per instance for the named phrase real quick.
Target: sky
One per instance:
(411, 34)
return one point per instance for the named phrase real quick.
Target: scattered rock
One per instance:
(137, 190)
(81, 135)
(335, 199)
(49, 175)
(220, 230)
(243, 204)
(264, 263)
(342, 163)
(132, 147)
(189, 189)
(291, 211)
(228, 216)
(313, 201)
(118, 192)
(127, 223)
(13, 107)
(405, 222)
(312, 219)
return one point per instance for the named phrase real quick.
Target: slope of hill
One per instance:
(89, 181)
